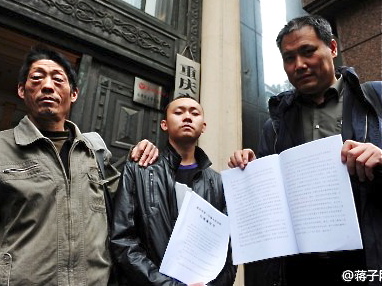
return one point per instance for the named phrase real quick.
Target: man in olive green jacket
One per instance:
(53, 220)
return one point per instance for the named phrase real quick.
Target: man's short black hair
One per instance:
(42, 52)
(320, 25)
(178, 97)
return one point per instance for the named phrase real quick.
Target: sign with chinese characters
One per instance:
(187, 78)
(149, 94)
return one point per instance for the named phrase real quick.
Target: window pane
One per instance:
(150, 7)
(135, 3)
(161, 9)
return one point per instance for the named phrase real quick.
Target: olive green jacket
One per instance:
(53, 226)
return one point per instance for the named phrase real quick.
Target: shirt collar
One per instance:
(334, 91)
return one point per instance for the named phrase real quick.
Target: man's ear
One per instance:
(74, 95)
(163, 125)
(333, 48)
(20, 90)
(204, 127)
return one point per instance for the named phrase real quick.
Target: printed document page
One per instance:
(298, 201)
(258, 212)
(180, 191)
(320, 196)
(198, 246)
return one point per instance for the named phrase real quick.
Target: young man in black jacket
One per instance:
(146, 205)
(325, 102)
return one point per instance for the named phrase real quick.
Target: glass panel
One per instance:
(150, 7)
(161, 9)
(135, 3)
(272, 22)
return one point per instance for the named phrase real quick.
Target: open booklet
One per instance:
(198, 245)
(296, 202)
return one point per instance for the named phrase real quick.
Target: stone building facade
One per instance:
(358, 26)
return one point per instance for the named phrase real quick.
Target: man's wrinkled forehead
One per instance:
(46, 64)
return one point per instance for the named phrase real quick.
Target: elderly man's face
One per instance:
(308, 61)
(47, 92)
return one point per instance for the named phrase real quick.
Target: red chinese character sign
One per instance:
(149, 94)
(187, 78)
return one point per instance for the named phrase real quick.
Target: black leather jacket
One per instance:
(145, 214)
(360, 123)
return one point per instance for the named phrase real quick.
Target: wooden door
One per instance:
(106, 106)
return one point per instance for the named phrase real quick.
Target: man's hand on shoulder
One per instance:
(145, 153)
(241, 158)
(361, 158)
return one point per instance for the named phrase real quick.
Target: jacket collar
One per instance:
(284, 111)
(174, 159)
(279, 103)
(348, 74)
(27, 133)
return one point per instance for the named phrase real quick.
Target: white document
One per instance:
(180, 191)
(296, 202)
(198, 246)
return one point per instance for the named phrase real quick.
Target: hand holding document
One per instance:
(296, 202)
(198, 246)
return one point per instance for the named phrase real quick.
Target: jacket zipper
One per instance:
(151, 188)
(366, 126)
(70, 231)
(67, 185)
(276, 137)
(151, 198)
(19, 170)
(212, 184)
